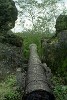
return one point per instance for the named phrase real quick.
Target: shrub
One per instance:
(8, 15)
(12, 96)
(60, 91)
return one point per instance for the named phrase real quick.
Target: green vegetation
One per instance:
(11, 39)
(60, 90)
(41, 15)
(8, 15)
(29, 38)
(61, 23)
(8, 89)
(6, 86)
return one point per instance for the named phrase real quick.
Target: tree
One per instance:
(42, 14)
(8, 15)
(61, 23)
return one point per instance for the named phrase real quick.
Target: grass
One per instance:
(29, 38)
(7, 86)
(9, 89)
(60, 90)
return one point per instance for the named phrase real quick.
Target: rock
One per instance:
(11, 39)
(62, 36)
(48, 71)
(11, 54)
(20, 77)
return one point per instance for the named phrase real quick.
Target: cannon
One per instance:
(36, 83)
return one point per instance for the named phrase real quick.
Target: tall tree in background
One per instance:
(8, 15)
(42, 13)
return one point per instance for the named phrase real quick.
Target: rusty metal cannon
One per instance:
(36, 84)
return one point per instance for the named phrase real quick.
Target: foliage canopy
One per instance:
(41, 14)
(8, 15)
(61, 23)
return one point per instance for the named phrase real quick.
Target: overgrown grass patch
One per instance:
(60, 90)
(8, 89)
(29, 38)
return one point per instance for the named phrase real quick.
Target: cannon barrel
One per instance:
(37, 86)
